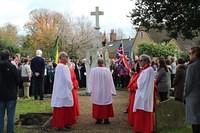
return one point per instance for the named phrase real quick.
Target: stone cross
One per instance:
(97, 13)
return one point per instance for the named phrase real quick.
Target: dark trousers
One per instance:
(163, 96)
(38, 87)
(196, 128)
(9, 107)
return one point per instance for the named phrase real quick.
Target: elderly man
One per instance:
(37, 68)
(192, 90)
(62, 98)
(101, 87)
(144, 98)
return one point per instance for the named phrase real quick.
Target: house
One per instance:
(158, 36)
(115, 43)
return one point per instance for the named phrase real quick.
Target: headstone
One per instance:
(169, 114)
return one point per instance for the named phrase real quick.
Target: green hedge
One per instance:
(159, 49)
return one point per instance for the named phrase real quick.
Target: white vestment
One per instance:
(62, 88)
(101, 86)
(144, 96)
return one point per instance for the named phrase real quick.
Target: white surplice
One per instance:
(62, 88)
(101, 86)
(145, 91)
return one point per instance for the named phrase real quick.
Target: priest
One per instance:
(62, 98)
(144, 98)
(101, 88)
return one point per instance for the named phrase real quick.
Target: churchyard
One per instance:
(169, 117)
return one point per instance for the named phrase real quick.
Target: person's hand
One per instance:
(157, 101)
(37, 74)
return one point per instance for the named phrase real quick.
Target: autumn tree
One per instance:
(180, 17)
(75, 35)
(44, 26)
(8, 34)
(83, 36)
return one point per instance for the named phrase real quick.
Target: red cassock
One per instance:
(75, 92)
(102, 111)
(132, 88)
(141, 120)
(66, 116)
(63, 116)
(144, 121)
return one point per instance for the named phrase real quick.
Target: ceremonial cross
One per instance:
(97, 13)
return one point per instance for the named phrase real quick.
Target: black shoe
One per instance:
(67, 127)
(106, 121)
(98, 122)
(62, 129)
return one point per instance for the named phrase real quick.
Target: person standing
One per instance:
(163, 80)
(75, 87)
(132, 86)
(83, 73)
(144, 98)
(173, 65)
(179, 80)
(38, 68)
(101, 88)
(9, 80)
(26, 77)
(192, 90)
(62, 98)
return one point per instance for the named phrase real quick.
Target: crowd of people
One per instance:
(149, 80)
(153, 80)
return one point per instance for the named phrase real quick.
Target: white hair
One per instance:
(38, 52)
(146, 57)
(62, 55)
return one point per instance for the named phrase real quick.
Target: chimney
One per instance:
(104, 40)
(113, 36)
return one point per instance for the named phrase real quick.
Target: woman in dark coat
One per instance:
(179, 80)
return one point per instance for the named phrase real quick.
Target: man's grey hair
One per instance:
(62, 55)
(146, 58)
(39, 52)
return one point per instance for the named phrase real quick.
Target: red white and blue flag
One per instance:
(122, 58)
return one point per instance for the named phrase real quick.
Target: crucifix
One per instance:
(97, 13)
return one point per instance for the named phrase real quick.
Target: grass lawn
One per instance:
(85, 124)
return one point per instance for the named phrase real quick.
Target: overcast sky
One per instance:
(115, 12)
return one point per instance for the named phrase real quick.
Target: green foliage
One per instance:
(179, 17)
(184, 55)
(5, 44)
(158, 50)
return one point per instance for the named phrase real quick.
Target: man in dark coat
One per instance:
(179, 80)
(38, 68)
(8, 91)
(192, 90)
(80, 72)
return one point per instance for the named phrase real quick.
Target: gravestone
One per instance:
(170, 114)
(33, 119)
